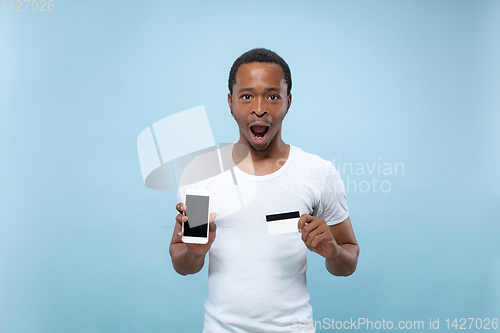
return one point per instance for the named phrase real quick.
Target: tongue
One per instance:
(259, 129)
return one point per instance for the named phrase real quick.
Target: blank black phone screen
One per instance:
(197, 210)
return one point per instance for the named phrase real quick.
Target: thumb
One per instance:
(211, 226)
(212, 217)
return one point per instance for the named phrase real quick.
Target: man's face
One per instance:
(259, 103)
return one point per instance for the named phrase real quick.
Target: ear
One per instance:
(230, 103)
(289, 99)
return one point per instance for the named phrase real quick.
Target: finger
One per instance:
(177, 229)
(319, 228)
(212, 217)
(312, 234)
(304, 218)
(318, 239)
(308, 228)
(181, 218)
(212, 227)
(181, 207)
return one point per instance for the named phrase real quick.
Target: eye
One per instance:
(273, 97)
(246, 97)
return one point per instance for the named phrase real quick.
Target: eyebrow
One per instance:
(252, 89)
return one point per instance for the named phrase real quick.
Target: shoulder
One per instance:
(312, 168)
(311, 160)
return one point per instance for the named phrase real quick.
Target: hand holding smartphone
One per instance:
(196, 229)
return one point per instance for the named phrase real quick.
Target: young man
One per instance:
(257, 282)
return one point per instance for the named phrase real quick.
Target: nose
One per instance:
(260, 107)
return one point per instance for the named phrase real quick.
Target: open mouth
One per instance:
(259, 131)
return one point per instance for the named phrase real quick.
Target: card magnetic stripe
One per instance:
(282, 216)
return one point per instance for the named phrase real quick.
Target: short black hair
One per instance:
(260, 55)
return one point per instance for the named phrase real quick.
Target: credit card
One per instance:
(283, 223)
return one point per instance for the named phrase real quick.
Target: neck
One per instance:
(263, 162)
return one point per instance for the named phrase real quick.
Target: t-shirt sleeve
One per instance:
(332, 205)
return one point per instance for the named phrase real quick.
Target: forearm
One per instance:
(184, 261)
(345, 263)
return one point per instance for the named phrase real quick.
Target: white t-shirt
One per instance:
(257, 282)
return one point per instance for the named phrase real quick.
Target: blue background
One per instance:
(84, 244)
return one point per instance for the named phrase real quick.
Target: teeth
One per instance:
(258, 135)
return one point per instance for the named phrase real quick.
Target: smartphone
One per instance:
(195, 230)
